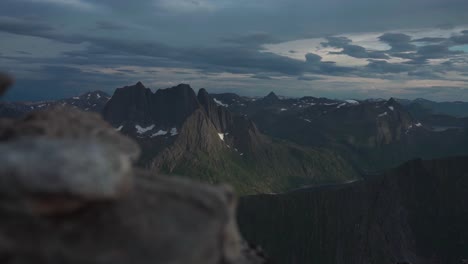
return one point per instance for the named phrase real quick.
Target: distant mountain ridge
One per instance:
(90, 101)
(422, 106)
(371, 135)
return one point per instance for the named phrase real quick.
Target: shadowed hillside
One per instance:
(416, 213)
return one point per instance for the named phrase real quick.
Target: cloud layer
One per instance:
(337, 48)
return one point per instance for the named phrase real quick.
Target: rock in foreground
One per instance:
(70, 195)
(161, 221)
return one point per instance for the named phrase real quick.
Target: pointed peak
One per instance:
(392, 101)
(138, 85)
(272, 94)
(271, 97)
(183, 85)
(202, 92)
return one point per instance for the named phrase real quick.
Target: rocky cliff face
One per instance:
(220, 116)
(165, 108)
(416, 213)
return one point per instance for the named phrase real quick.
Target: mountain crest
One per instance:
(271, 98)
(272, 95)
(392, 101)
(139, 85)
(137, 104)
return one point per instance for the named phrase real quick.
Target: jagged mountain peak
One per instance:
(202, 92)
(392, 101)
(272, 95)
(271, 98)
(183, 91)
(136, 86)
(181, 88)
(139, 105)
(139, 85)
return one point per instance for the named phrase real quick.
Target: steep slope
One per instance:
(416, 214)
(252, 163)
(187, 134)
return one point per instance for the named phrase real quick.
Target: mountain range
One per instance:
(268, 144)
(371, 134)
(185, 133)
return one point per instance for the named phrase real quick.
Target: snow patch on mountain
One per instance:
(218, 102)
(383, 114)
(142, 130)
(341, 105)
(352, 101)
(159, 133)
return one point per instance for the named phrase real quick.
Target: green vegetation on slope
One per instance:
(279, 168)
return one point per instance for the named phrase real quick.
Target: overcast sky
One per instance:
(333, 48)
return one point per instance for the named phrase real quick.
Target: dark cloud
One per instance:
(261, 77)
(425, 73)
(313, 58)
(108, 25)
(309, 78)
(336, 42)
(24, 27)
(352, 50)
(429, 40)
(435, 51)
(398, 41)
(23, 52)
(438, 51)
(445, 26)
(461, 39)
(62, 82)
(383, 67)
(435, 48)
(34, 28)
(253, 39)
(226, 37)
